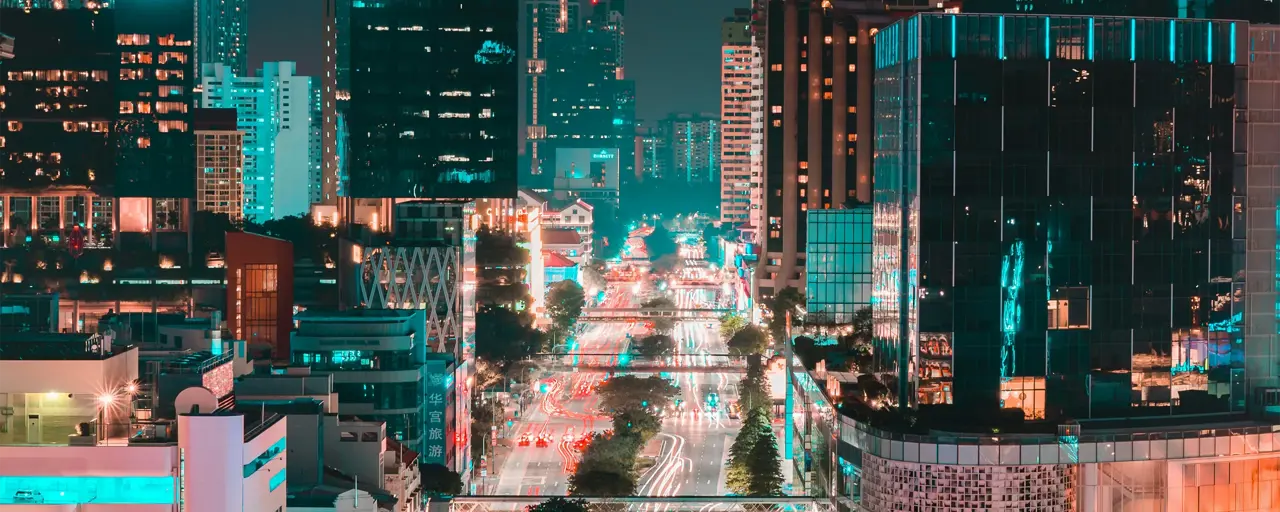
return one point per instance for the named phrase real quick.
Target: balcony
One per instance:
(56, 419)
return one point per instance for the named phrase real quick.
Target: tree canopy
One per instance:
(628, 392)
(748, 340)
(787, 300)
(565, 301)
(730, 324)
(561, 504)
(503, 336)
(660, 243)
(438, 480)
(661, 325)
(655, 345)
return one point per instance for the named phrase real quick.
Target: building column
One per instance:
(865, 76)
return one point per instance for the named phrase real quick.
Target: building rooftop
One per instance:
(354, 314)
(555, 260)
(196, 362)
(57, 347)
(556, 205)
(560, 236)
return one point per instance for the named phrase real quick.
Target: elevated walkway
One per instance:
(641, 314)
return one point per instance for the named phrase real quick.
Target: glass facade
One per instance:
(433, 99)
(1059, 214)
(837, 264)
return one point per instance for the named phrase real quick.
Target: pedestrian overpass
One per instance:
(643, 314)
(678, 363)
(645, 504)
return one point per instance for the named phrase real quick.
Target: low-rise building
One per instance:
(568, 243)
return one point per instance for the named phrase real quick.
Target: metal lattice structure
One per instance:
(642, 503)
(427, 278)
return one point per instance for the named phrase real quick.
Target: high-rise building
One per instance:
(817, 119)
(331, 99)
(315, 145)
(99, 128)
(275, 114)
(739, 66)
(654, 155)
(223, 34)
(219, 162)
(461, 88)
(694, 143)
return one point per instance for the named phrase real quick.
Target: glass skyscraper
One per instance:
(838, 264)
(1060, 214)
(433, 109)
(223, 36)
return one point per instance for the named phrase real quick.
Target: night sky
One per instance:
(672, 48)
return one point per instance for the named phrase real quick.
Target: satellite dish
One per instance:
(195, 400)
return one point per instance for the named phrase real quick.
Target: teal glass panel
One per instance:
(264, 458)
(70, 490)
(277, 479)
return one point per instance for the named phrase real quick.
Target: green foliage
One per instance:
(730, 324)
(661, 325)
(748, 340)
(601, 483)
(660, 243)
(656, 345)
(504, 337)
(642, 425)
(438, 480)
(787, 300)
(753, 390)
(607, 467)
(765, 468)
(560, 504)
(754, 428)
(628, 392)
(565, 301)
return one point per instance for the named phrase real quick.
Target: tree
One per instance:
(438, 480)
(661, 325)
(565, 301)
(209, 233)
(660, 243)
(628, 392)
(601, 483)
(764, 467)
(656, 345)
(755, 427)
(560, 504)
(730, 324)
(639, 424)
(753, 390)
(787, 300)
(748, 340)
(503, 337)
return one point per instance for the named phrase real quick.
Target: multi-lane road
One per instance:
(688, 456)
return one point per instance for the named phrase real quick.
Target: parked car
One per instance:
(28, 496)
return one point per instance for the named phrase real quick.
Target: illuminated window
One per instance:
(166, 107)
(827, 39)
(15, 126)
(1026, 393)
(166, 74)
(776, 109)
(133, 39)
(1069, 308)
(804, 68)
(144, 107)
(803, 178)
(853, 67)
(776, 67)
(804, 165)
(777, 123)
(170, 90)
(826, 81)
(174, 56)
(172, 126)
(852, 137)
(144, 142)
(826, 95)
(853, 39)
(853, 109)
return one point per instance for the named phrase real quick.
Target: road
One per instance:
(690, 452)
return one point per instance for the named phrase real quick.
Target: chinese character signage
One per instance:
(437, 390)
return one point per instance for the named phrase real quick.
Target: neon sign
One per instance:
(602, 155)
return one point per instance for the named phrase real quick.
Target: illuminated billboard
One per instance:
(586, 169)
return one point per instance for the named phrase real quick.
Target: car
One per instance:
(544, 440)
(568, 436)
(525, 439)
(28, 496)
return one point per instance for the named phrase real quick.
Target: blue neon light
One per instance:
(1002, 38)
(953, 36)
(1133, 39)
(1232, 50)
(1209, 28)
(97, 490)
(1090, 38)
(1011, 312)
(1048, 47)
(1173, 44)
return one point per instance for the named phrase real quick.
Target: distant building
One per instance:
(568, 243)
(219, 163)
(694, 143)
(560, 268)
(654, 156)
(275, 115)
(223, 34)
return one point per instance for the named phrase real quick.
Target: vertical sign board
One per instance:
(436, 408)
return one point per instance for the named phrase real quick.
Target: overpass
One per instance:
(639, 314)
(679, 363)
(640, 503)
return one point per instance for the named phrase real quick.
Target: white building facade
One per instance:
(274, 111)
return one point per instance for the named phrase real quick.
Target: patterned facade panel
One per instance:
(425, 278)
(890, 486)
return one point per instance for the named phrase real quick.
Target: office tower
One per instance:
(1097, 270)
(694, 143)
(223, 36)
(219, 162)
(461, 88)
(275, 115)
(738, 69)
(1256, 11)
(99, 128)
(543, 20)
(331, 96)
(315, 144)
